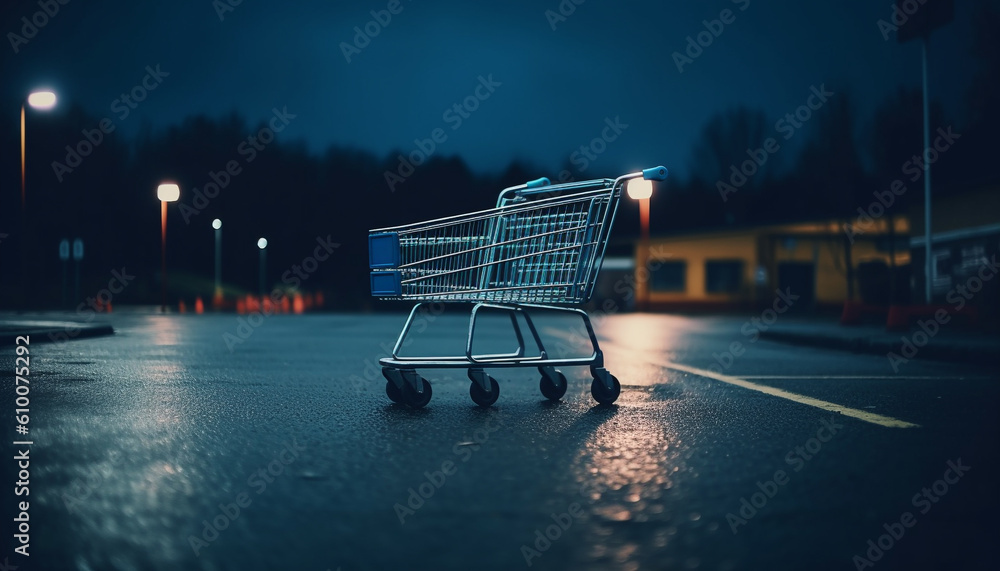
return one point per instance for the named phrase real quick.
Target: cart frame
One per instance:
(405, 385)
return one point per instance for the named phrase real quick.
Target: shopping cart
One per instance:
(540, 249)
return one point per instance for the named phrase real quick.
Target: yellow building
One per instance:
(742, 268)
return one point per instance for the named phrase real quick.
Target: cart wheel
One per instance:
(602, 394)
(391, 390)
(481, 397)
(553, 390)
(415, 399)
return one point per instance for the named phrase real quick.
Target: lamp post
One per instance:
(43, 101)
(217, 297)
(262, 244)
(641, 189)
(166, 192)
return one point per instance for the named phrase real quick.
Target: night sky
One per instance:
(556, 87)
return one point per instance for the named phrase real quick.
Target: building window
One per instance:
(723, 276)
(668, 277)
(941, 266)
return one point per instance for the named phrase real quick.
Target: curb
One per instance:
(44, 331)
(880, 346)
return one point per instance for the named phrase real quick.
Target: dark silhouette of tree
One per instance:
(829, 169)
(723, 165)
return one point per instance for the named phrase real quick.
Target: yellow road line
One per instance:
(871, 417)
(861, 377)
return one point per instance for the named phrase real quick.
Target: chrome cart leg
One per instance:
(406, 329)
(534, 333)
(474, 315)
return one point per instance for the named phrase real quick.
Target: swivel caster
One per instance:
(480, 396)
(407, 395)
(391, 390)
(553, 384)
(415, 399)
(601, 393)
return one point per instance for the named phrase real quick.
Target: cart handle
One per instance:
(538, 182)
(530, 187)
(655, 173)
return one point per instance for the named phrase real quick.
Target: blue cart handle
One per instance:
(655, 173)
(538, 182)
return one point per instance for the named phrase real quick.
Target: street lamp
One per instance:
(641, 189)
(166, 192)
(43, 101)
(262, 244)
(217, 224)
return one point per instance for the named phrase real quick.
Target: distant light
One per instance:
(42, 100)
(216, 223)
(168, 192)
(640, 188)
(262, 243)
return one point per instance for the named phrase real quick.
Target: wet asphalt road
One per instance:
(147, 442)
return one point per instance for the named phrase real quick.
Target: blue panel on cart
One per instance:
(383, 250)
(386, 284)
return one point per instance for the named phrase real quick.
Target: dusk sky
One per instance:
(556, 87)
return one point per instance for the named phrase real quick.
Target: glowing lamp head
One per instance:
(262, 243)
(640, 188)
(168, 192)
(217, 224)
(42, 100)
